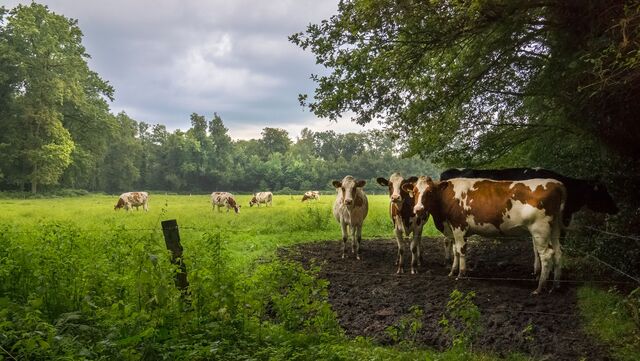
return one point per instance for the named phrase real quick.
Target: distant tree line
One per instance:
(58, 131)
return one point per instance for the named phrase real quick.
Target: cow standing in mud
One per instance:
(461, 207)
(350, 209)
(405, 221)
(224, 199)
(133, 199)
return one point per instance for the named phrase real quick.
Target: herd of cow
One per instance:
(464, 202)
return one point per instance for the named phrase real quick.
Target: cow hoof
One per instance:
(343, 256)
(358, 257)
(414, 272)
(535, 293)
(450, 274)
(399, 271)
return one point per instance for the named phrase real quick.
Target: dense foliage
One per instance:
(496, 83)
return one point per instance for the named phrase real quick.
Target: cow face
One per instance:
(347, 188)
(395, 183)
(600, 200)
(253, 201)
(420, 190)
(119, 205)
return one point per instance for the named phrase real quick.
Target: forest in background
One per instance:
(59, 132)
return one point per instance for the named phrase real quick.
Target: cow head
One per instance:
(394, 183)
(119, 205)
(421, 189)
(304, 197)
(253, 201)
(232, 202)
(347, 188)
(599, 199)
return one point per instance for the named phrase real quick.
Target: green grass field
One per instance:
(254, 232)
(79, 280)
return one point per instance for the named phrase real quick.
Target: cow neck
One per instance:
(434, 206)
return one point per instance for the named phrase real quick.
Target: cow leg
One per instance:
(399, 260)
(557, 255)
(536, 260)
(415, 253)
(357, 236)
(344, 237)
(545, 251)
(459, 248)
(448, 245)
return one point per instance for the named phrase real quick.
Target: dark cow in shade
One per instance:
(224, 199)
(404, 220)
(461, 207)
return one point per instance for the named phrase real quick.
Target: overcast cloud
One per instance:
(168, 59)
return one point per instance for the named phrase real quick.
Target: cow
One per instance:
(133, 199)
(350, 209)
(404, 219)
(262, 197)
(461, 207)
(310, 195)
(581, 193)
(224, 199)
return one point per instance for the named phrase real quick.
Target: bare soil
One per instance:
(368, 296)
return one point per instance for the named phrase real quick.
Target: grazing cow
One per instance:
(310, 195)
(350, 209)
(133, 199)
(224, 199)
(404, 219)
(465, 206)
(262, 197)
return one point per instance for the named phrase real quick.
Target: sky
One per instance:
(167, 59)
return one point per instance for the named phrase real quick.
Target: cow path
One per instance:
(368, 297)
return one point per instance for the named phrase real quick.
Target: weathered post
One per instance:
(172, 240)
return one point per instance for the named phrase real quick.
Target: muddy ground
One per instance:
(368, 297)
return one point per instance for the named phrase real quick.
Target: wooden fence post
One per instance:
(172, 240)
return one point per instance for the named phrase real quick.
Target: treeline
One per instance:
(58, 131)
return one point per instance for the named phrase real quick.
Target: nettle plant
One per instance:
(461, 320)
(405, 331)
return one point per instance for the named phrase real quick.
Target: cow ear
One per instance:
(361, 183)
(382, 181)
(336, 184)
(407, 187)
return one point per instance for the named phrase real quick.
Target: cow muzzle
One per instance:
(418, 208)
(396, 198)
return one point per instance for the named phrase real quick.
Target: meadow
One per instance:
(79, 280)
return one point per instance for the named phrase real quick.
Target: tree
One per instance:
(44, 70)
(274, 140)
(472, 81)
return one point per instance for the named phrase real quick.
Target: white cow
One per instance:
(133, 199)
(311, 195)
(224, 199)
(262, 197)
(350, 209)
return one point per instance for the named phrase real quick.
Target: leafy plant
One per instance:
(461, 318)
(406, 329)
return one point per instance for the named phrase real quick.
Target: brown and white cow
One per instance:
(465, 206)
(224, 199)
(311, 195)
(262, 197)
(350, 209)
(133, 199)
(404, 219)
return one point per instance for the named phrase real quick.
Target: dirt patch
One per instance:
(368, 297)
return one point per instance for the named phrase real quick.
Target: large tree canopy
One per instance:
(474, 81)
(44, 77)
